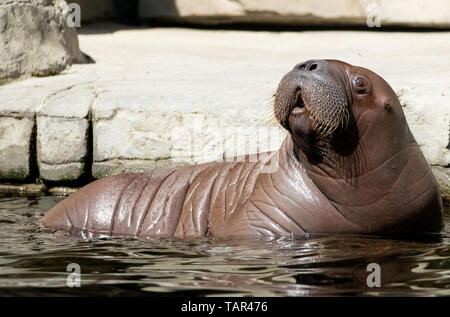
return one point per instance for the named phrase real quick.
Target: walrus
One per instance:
(349, 165)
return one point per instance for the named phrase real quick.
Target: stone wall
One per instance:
(168, 96)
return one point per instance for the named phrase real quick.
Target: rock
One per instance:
(16, 147)
(35, 39)
(431, 128)
(133, 135)
(23, 101)
(17, 132)
(442, 175)
(118, 166)
(62, 191)
(140, 141)
(26, 189)
(417, 13)
(129, 130)
(61, 172)
(63, 133)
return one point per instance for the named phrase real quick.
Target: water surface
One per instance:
(33, 262)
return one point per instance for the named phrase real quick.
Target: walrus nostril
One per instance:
(302, 66)
(312, 66)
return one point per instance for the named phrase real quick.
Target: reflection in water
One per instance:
(33, 262)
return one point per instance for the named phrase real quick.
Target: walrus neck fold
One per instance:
(321, 159)
(371, 193)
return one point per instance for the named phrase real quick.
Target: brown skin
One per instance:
(349, 165)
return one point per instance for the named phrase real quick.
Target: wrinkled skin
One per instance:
(349, 165)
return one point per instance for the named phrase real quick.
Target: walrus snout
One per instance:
(317, 87)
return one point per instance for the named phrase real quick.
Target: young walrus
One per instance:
(349, 165)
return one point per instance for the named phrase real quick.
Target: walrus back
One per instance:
(143, 204)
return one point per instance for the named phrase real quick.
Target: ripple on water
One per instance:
(33, 262)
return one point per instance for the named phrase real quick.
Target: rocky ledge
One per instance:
(163, 97)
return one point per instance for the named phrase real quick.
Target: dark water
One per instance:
(34, 261)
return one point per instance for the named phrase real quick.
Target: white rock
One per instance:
(61, 140)
(73, 101)
(16, 147)
(62, 133)
(117, 166)
(35, 39)
(428, 116)
(61, 172)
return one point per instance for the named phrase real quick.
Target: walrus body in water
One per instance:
(349, 165)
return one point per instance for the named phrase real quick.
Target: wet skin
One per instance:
(349, 165)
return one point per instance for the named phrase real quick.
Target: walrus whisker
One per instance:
(322, 127)
(325, 124)
(269, 113)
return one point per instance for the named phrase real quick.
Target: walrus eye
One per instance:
(359, 83)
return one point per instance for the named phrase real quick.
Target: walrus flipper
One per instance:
(143, 204)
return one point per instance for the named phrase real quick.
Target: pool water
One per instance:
(33, 262)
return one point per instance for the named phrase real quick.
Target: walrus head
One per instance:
(312, 98)
(349, 132)
(314, 102)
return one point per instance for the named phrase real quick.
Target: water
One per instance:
(33, 262)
